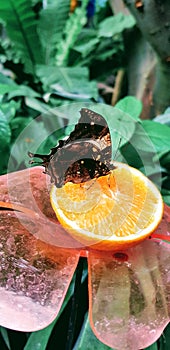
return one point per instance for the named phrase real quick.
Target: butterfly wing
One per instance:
(84, 155)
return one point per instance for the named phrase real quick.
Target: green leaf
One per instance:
(5, 337)
(30, 139)
(165, 339)
(152, 347)
(6, 84)
(18, 124)
(86, 42)
(10, 108)
(38, 340)
(4, 88)
(164, 118)
(151, 135)
(23, 90)
(107, 48)
(5, 132)
(52, 20)
(21, 28)
(87, 340)
(69, 82)
(37, 105)
(114, 25)
(72, 29)
(131, 106)
(166, 196)
(34, 135)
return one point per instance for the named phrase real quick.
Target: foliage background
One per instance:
(52, 57)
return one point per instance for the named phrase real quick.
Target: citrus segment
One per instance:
(79, 198)
(114, 211)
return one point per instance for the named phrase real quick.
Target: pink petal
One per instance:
(34, 276)
(29, 191)
(163, 230)
(129, 295)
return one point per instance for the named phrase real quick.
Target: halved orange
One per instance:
(112, 212)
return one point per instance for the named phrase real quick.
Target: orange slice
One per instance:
(112, 212)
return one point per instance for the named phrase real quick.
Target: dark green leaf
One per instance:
(5, 132)
(107, 48)
(152, 347)
(131, 106)
(52, 20)
(10, 108)
(165, 159)
(38, 340)
(5, 337)
(18, 124)
(86, 41)
(6, 84)
(72, 29)
(166, 196)
(87, 340)
(165, 339)
(21, 25)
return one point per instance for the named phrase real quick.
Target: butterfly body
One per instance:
(85, 154)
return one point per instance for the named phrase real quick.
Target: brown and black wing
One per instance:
(84, 155)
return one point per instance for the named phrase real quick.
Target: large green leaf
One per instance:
(130, 105)
(69, 82)
(114, 25)
(52, 20)
(21, 27)
(154, 134)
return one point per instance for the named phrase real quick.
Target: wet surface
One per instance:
(130, 298)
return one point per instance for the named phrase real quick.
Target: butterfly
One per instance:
(84, 155)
